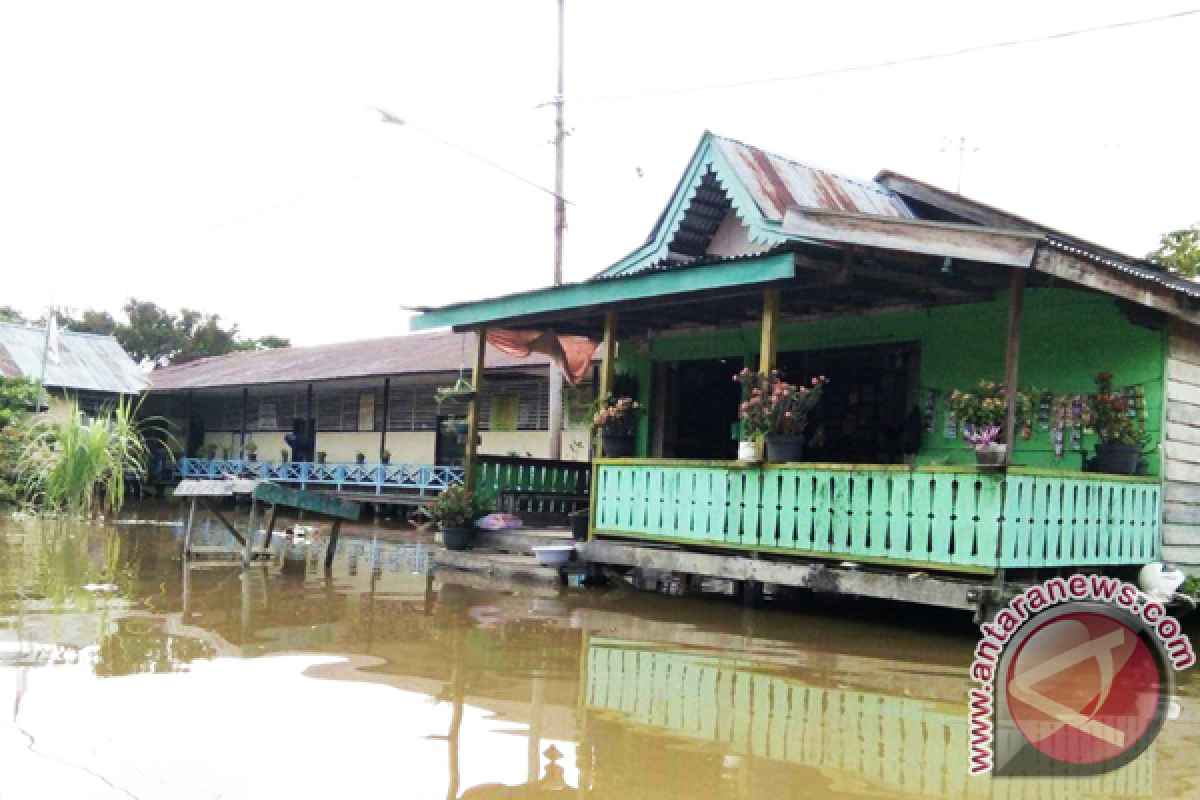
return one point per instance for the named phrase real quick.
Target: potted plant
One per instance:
(776, 412)
(615, 421)
(320, 456)
(360, 457)
(208, 451)
(462, 391)
(250, 449)
(456, 509)
(385, 457)
(1112, 417)
(982, 412)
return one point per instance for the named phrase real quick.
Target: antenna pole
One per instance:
(560, 225)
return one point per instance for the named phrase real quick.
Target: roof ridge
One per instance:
(61, 331)
(869, 183)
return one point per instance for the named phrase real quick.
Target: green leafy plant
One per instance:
(458, 507)
(1191, 586)
(773, 407)
(985, 406)
(250, 448)
(616, 415)
(79, 467)
(1112, 415)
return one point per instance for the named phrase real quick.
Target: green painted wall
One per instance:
(1068, 336)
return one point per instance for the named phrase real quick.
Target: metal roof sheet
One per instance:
(777, 183)
(395, 355)
(87, 361)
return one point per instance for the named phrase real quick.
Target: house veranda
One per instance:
(899, 293)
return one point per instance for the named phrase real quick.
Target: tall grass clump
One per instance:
(79, 466)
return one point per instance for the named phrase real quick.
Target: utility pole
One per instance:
(560, 226)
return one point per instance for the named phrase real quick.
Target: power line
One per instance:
(894, 62)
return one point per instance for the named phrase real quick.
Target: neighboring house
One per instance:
(92, 370)
(899, 292)
(367, 397)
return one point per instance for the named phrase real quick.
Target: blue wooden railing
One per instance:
(420, 479)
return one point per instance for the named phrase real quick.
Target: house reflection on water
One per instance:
(618, 694)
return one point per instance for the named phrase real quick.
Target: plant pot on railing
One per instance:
(750, 451)
(991, 455)
(618, 445)
(1117, 459)
(783, 449)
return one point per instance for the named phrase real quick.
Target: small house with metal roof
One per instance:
(900, 293)
(91, 370)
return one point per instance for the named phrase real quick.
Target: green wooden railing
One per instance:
(895, 742)
(953, 518)
(537, 485)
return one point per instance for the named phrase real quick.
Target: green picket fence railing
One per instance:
(955, 518)
(537, 485)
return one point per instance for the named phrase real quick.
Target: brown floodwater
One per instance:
(124, 675)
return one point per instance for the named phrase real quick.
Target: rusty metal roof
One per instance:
(395, 355)
(87, 361)
(777, 183)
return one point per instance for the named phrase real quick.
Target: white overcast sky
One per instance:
(219, 155)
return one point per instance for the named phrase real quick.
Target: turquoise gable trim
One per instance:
(708, 156)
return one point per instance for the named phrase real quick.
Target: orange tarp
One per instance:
(572, 354)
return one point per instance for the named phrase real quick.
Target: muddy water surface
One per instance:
(124, 675)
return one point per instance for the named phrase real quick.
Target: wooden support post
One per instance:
(270, 527)
(770, 329)
(1012, 359)
(387, 409)
(469, 458)
(245, 413)
(249, 556)
(333, 543)
(608, 360)
(216, 512)
(191, 527)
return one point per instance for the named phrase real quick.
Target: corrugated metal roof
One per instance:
(395, 355)
(777, 183)
(87, 361)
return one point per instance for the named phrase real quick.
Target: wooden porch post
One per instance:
(387, 402)
(608, 357)
(770, 326)
(245, 411)
(1012, 359)
(608, 353)
(473, 409)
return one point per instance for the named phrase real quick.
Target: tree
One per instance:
(1179, 252)
(10, 314)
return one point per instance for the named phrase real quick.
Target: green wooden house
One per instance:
(899, 292)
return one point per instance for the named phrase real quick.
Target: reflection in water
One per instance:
(123, 673)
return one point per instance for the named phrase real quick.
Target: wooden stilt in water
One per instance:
(191, 527)
(333, 543)
(270, 526)
(249, 556)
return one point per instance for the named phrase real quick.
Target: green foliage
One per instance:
(985, 406)
(616, 415)
(1110, 413)
(79, 467)
(457, 507)
(1179, 251)
(10, 314)
(1191, 585)
(17, 396)
(773, 407)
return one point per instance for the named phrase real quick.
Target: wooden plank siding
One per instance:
(1181, 448)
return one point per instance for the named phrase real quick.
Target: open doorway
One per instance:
(868, 414)
(697, 409)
